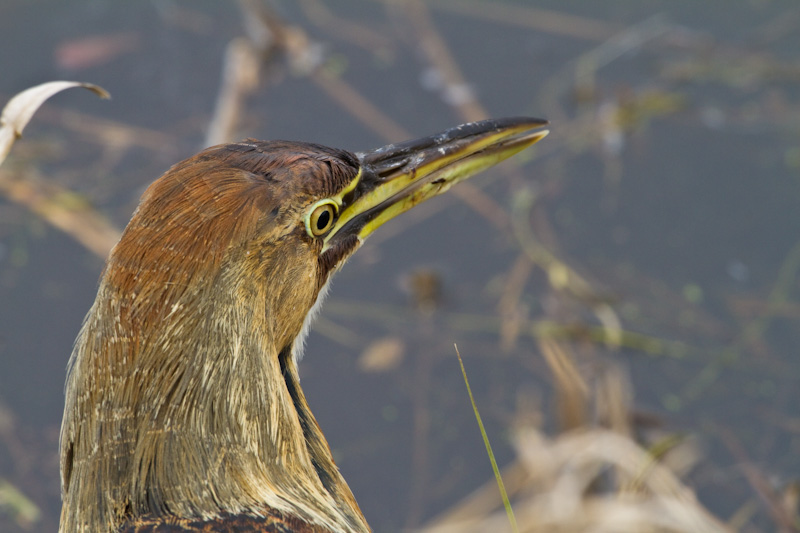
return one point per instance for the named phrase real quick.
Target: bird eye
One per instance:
(321, 217)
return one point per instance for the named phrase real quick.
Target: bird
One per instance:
(183, 408)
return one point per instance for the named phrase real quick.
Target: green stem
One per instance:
(500, 485)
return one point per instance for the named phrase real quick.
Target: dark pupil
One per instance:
(324, 218)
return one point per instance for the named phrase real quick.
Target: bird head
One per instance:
(183, 397)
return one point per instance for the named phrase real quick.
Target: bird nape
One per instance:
(183, 405)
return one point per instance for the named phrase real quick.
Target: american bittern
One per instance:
(183, 405)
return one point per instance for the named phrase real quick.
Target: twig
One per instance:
(543, 20)
(756, 479)
(455, 89)
(344, 29)
(239, 79)
(362, 109)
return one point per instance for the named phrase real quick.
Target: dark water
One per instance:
(671, 181)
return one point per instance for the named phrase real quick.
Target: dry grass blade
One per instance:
(562, 495)
(20, 109)
(63, 209)
(573, 392)
(15, 503)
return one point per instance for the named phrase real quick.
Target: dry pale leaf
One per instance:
(20, 109)
(382, 355)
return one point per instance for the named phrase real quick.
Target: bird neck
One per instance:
(189, 405)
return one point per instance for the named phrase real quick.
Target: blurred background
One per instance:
(626, 291)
